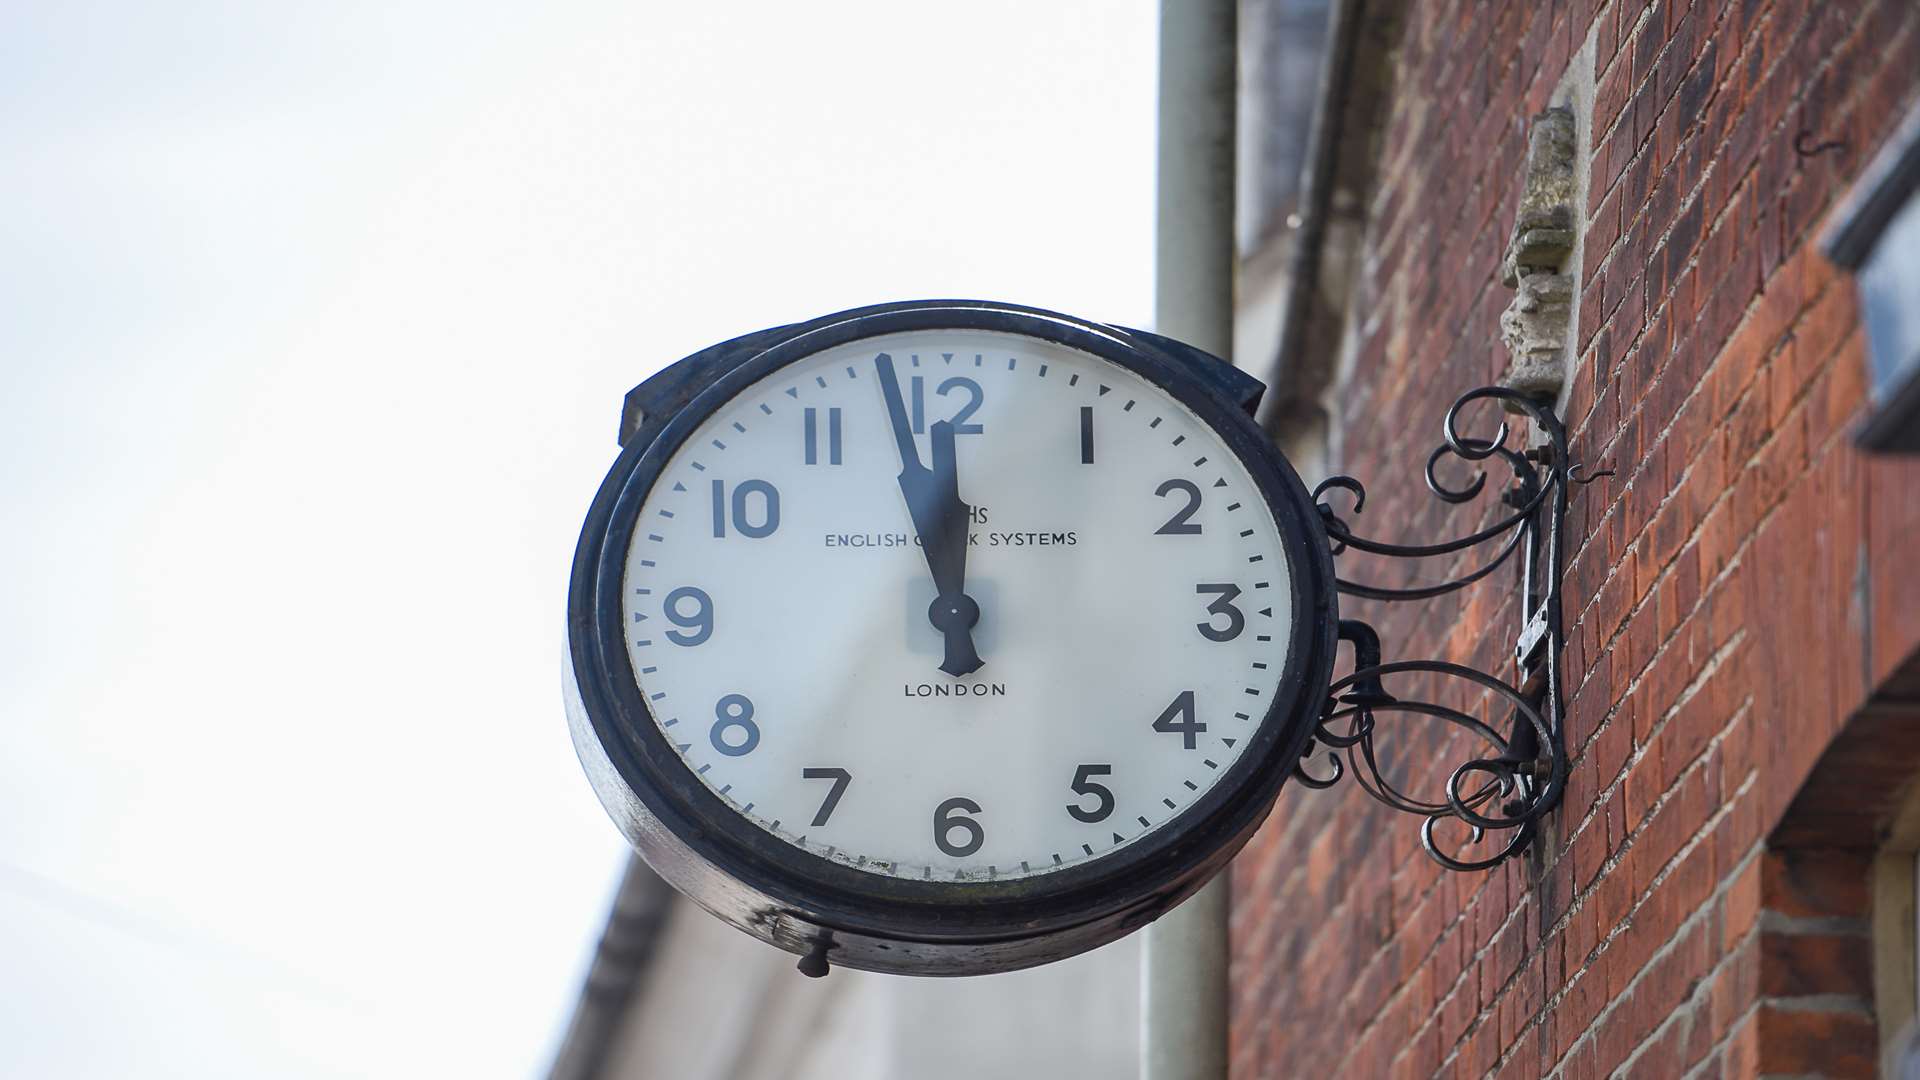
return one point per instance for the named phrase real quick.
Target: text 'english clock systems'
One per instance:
(945, 637)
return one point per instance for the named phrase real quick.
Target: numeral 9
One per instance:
(700, 623)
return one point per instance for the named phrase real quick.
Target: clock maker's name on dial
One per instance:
(978, 515)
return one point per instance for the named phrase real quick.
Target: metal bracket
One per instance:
(1509, 789)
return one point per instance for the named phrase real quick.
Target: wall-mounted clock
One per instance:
(945, 637)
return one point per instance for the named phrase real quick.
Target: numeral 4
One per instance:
(1178, 720)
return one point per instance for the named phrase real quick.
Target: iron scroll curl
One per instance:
(1519, 776)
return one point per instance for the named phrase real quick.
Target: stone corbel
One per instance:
(1536, 326)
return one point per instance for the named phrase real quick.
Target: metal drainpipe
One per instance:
(1183, 971)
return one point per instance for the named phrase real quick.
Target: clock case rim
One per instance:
(805, 903)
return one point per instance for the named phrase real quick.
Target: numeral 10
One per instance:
(741, 506)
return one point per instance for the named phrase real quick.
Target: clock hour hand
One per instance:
(953, 613)
(941, 519)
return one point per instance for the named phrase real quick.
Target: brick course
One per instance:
(1720, 630)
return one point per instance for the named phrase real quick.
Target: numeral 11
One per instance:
(812, 418)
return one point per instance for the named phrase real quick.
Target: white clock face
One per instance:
(1132, 592)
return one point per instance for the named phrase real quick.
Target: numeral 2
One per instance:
(1178, 525)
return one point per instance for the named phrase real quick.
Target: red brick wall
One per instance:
(1720, 634)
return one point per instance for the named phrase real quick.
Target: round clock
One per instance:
(945, 637)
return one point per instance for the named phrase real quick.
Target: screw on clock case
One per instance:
(833, 914)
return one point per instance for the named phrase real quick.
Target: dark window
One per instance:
(1876, 234)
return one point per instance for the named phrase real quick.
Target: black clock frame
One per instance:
(827, 912)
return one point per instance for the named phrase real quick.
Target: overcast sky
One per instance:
(314, 324)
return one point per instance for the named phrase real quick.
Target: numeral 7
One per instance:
(841, 778)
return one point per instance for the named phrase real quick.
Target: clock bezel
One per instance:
(797, 900)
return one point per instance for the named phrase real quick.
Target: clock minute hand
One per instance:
(941, 520)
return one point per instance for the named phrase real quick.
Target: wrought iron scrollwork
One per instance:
(1519, 778)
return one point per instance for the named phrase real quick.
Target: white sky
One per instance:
(314, 324)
